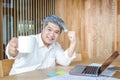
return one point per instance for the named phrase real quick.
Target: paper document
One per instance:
(115, 68)
(73, 77)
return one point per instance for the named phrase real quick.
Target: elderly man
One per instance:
(47, 51)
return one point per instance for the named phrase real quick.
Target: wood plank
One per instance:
(1, 31)
(5, 66)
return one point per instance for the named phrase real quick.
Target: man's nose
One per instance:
(52, 33)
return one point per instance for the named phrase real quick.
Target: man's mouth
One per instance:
(49, 38)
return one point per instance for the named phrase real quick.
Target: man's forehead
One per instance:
(52, 25)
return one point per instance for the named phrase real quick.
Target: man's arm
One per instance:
(72, 38)
(69, 54)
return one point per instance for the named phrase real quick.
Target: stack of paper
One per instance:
(115, 68)
(73, 77)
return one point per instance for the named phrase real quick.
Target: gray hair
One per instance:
(55, 20)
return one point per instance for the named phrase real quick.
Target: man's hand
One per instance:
(72, 37)
(12, 48)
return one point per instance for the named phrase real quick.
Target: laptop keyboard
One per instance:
(90, 70)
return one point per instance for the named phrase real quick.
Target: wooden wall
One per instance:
(96, 23)
(1, 35)
(118, 25)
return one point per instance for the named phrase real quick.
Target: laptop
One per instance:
(93, 70)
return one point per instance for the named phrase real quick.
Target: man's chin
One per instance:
(49, 42)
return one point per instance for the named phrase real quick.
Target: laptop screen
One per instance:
(109, 61)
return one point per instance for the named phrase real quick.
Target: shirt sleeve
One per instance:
(62, 57)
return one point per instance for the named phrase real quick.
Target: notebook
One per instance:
(114, 68)
(93, 70)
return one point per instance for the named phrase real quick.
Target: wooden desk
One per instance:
(42, 74)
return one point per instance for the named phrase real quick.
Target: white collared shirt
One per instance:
(42, 57)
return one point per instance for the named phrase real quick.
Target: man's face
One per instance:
(50, 33)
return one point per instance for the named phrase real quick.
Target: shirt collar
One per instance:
(40, 41)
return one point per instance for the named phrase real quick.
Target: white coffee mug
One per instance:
(26, 44)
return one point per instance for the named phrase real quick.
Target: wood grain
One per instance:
(96, 23)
